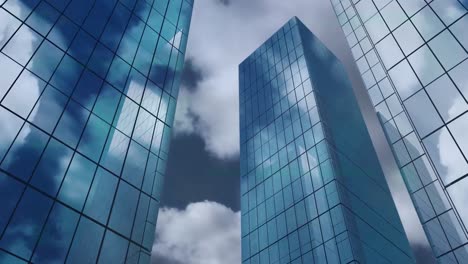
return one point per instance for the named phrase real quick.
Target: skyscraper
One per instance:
(413, 58)
(312, 187)
(88, 90)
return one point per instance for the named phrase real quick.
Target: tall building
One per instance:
(312, 187)
(88, 90)
(413, 58)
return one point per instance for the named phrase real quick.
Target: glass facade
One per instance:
(312, 189)
(88, 90)
(413, 58)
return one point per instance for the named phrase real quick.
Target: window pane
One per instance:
(446, 156)
(389, 51)
(76, 185)
(124, 209)
(101, 195)
(114, 248)
(57, 235)
(86, 242)
(10, 71)
(423, 113)
(404, 79)
(459, 197)
(26, 224)
(408, 38)
(447, 50)
(427, 23)
(425, 65)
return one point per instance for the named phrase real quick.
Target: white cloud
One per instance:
(203, 233)
(222, 36)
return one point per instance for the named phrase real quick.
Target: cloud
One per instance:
(203, 233)
(221, 37)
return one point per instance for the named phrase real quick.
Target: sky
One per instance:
(200, 220)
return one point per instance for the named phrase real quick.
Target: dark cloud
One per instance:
(194, 175)
(192, 75)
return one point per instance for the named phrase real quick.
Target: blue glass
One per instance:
(325, 166)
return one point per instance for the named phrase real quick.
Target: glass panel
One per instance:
(393, 15)
(124, 209)
(56, 236)
(408, 38)
(448, 10)
(86, 242)
(422, 113)
(10, 70)
(425, 65)
(389, 51)
(446, 98)
(25, 226)
(458, 29)
(446, 156)
(23, 95)
(25, 38)
(447, 49)
(114, 248)
(459, 127)
(460, 77)
(76, 185)
(427, 23)
(101, 195)
(459, 197)
(404, 79)
(376, 28)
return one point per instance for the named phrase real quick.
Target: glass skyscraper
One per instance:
(312, 187)
(412, 55)
(88, 90)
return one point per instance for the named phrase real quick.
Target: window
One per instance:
(10, 71)
(389, 51)
(458, 129)
(448, 10)
(26, 224)
(28, 39)
(56, 236)
(446, 156)
(101, 195)
(460, 78)
(67, 75)
(408, 38)
(114, 248)
(51, 169)
(459, 28)
(24, 94)
(75, 186)
(376, 28)
(12, 125)
(71, 124)
(459, 197)
(48, 109)
(446, 98)
(423, 113)
(393, 15)
(124, 209)
(427, 23)
(93, 138)
(86, 242)
(425, 65)
(447, 50)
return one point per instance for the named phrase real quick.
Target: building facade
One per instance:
(413, 59)
(312, 189)
(88, 90)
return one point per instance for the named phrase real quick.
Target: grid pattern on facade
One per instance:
(88, 90)
(292, 208)
(413, 59)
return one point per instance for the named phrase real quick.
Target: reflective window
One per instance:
(459, 197)
(25, 226)
(404, 79)
(422, 113)
(427, 23)
(459, 28)
(425, 65)
(447, 49)
(101, 195)
(56, 236)
(114, 248)
(124, 209)
(458, 75)
(393, 15)
(75, 186)
(376, 28)
(86, 242)
(446, 98)
(389, 51)
(448, 10)
(446, 156)
(458, 129)
(408, 38)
